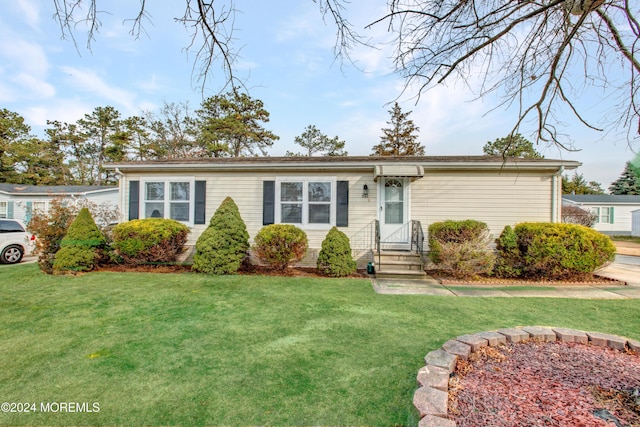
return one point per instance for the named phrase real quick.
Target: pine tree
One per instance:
(628, 183)
(512, 146)
(401, 138)
(317, 143)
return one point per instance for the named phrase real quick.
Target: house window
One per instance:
(40, 207)
(3, 209)
(168, 199)
(306, 202)
(603, 215)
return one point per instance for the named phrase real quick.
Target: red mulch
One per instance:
(546, 384)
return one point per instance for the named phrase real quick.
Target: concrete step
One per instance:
(389, 273)
(401, 265)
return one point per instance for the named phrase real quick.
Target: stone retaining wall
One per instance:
(432, 397)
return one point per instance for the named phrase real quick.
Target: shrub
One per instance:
(508, 256)
(150, 240)
(80, 248)
(461, 248)
(51, 227)
(280, 245)
(223, 246)
(453, 232)
(575, 215)
(560, 251)
(335, 258)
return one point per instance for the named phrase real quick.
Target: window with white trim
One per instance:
(171, 199)
(603, 215)
(306, 201)
(3, 209)
(40, 207)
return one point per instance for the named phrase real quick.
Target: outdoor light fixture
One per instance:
(365, 191)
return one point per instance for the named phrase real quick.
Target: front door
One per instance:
(393, 209)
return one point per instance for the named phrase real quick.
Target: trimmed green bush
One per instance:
(461, 248)
(150, 240)
(560, 251)
(280, 245)
(223, 246)
(335, 258)
(80, 248)
(508, 263)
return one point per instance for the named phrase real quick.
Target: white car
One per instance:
(15, 241)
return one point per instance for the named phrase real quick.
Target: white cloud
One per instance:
(30, 11)
(23, 56)
(35, 85)
(89, 81)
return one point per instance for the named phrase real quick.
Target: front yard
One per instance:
(187, 349)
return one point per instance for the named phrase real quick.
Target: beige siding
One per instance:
(496, 198)
(499, 199)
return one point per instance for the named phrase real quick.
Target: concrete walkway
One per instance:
(625, 269)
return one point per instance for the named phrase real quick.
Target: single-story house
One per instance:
(19, 201)
(612, 212)
(355, 194)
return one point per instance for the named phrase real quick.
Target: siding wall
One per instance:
(20, 201)
(496, 198)
(499, 199)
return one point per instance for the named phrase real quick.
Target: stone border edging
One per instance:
(431, 399)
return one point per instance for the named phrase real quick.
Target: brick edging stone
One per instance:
(432, 397)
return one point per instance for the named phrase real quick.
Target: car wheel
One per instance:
(11, 255)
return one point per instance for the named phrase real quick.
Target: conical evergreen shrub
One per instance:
(335, 258)
(224, 244)
(79, 249)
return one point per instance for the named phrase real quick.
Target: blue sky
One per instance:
(286, 56)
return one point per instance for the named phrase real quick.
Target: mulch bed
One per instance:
(546, 384)
(246, 270)
(584, 280)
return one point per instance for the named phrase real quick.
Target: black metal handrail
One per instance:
(417, 238)
(377, 242)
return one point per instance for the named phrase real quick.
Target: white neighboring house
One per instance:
(613, 212)
(19, 201)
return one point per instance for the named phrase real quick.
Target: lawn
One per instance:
(186, 349)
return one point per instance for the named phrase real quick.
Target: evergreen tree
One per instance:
(628, 183)
(223, 246)
(401, 139)
(317, 143)
(512, 146)
(578, 185)
(80, 248)
(229, 125)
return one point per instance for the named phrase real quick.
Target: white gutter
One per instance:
(121, 188)
(554, 195)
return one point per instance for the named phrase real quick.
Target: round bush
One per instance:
(451, 231)
(335, 258)
(560, 251)
(280, 245)
(150, 240)
(79, 249)
(223, 246)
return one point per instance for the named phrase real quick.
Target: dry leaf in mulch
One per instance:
(547, 384)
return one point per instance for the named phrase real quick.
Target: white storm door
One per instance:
(393, 209)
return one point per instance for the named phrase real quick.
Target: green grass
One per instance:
(186, 349)
(625, 239)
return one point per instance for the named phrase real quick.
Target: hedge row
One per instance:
(553, 251)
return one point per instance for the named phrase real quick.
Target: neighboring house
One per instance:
(19, 201)
(612, 212)
(352, 193)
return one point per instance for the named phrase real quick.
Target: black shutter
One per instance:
(134, 200)
(201, 203)
(342, 204)
(268, 202)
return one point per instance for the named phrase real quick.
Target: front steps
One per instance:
(399, 265)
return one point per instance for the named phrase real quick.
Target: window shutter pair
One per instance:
(269, 203)
(199, 199)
